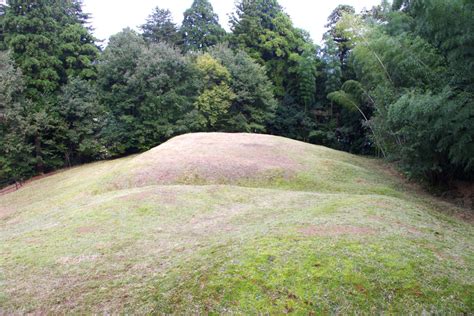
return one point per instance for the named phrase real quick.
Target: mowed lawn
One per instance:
(233, 223)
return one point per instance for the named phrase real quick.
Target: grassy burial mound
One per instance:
(232, 223)
(250, 160)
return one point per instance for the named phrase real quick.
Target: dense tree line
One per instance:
(412, 66)
(395, 81)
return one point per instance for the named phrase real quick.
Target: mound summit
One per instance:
(242, 159)
(216, 157)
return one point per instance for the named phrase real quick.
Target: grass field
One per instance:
(233, 223)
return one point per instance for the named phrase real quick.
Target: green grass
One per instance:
(342, 236)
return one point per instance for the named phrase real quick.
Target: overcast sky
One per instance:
(111, 16)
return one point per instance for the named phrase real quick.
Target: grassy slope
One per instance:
(341, 236)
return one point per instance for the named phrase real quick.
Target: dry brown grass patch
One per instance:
(87, 230)
(5, 213)
(213, 158)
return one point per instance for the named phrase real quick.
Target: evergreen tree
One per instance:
(3, 45)
(200, 28)
(82, 120)
(159, 27)
(265, 32)
(261, 28)
(78, 52)
(11, 82)
(16, 161)
(117, 65)
(249, 22)
(49, 41)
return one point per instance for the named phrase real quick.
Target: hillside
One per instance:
(232, 223)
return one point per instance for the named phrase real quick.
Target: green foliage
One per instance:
(378, 13)
(335, 34)
(249, 23)
(302, 75)
(254, 104)
(49, 41)
(78, 52)
(332, 67)
(336, 15)
(343, 121)
(448, 26)
(354, 98)
(3, 45)
(31, 34)
(349, 96)
(146, 90)
(15, 154)
(216, 97)
(81, 117)
(159, 27)
(261, 28)
(21, 127)
(266, 33)
(11, 82)
(214, 104)
(292, 121)
(427, 150)
(116, 67)
(200, 28)
(403, 61)
(380, 77)
(211, 71)
(415, 69)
